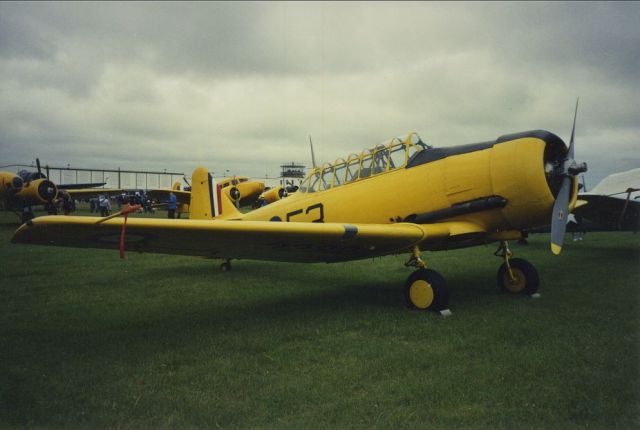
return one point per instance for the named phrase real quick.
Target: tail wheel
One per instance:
(526, 280)
(426, 290)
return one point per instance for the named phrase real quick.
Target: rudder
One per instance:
(207, 199)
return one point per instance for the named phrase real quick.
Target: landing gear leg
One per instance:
(425, 289)
(416, 260)
(515, 275)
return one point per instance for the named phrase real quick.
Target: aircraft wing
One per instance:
(86, 193)
(163, 195)
(259, 240)
(80, 186)
(609, 213)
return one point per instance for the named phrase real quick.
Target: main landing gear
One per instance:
(426, 289)
(515, 275)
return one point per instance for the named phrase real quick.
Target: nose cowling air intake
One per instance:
(36, 192)
(555, 152)
(47, 190)
(17, 183)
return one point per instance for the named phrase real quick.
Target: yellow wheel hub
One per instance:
(421, 294)
(517, 285)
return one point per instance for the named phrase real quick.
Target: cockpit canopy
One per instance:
(382, 158)
(232, 181)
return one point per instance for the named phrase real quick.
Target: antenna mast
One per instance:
(313, 157)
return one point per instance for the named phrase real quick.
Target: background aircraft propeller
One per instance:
(567, 169)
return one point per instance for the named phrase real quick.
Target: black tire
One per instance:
(226, 266)
(527, 279)
(426, 290)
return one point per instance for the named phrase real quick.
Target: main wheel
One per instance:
(426, 290)
(526, 277)
(226, 266)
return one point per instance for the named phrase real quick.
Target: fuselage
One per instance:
(498, 185)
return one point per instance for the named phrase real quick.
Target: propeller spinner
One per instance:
(567, 169)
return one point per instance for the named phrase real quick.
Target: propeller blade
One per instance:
(573, 132)
(38, 165)
(559, 216)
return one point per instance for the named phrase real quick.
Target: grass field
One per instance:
(91, 341)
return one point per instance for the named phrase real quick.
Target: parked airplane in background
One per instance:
(183, 197)
(612, 205)
(402, 196)
(20, 191)
(274, 194)
(240, 189)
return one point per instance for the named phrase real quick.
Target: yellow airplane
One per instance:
(273, 194)
(400, 197)
(183, 197)
(240, 189)
(19, 192)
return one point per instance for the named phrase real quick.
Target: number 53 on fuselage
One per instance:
(401, 196)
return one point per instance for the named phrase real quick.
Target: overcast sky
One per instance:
(242, 85)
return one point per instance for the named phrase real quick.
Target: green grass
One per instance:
(91, 341)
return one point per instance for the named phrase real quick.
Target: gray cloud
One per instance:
(240, 86)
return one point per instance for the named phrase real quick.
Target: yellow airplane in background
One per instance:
(19, 192)
(183, 197)
(399, 197)
(240, 189)
(273, 194)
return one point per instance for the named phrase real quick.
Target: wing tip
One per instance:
(18, 235)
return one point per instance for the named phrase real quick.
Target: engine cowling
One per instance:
(10, 184)
(39, 191)
(524, 171)
(274, 194)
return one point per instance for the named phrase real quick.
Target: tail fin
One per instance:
(207, 199)
(176, 186)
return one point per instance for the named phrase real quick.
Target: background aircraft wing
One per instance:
(162, 195)
(609, 213)
(86, 193)
(260, 240)
(80, 186)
